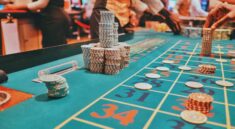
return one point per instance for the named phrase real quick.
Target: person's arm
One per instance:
(177, 6)
(139, 7)
(197, 9)
(40, 4)
(156, 7)
(229, 1)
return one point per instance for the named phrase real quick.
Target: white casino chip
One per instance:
(143, 86)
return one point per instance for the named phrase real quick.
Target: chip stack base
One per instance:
(112, 61)
(96, 59)
(206, 42)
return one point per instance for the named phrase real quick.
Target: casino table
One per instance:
(111, 101)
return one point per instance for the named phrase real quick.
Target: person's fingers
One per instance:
(220, 22)
(218, 12)
(209, 21)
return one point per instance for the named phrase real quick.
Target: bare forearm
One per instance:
(229, 1)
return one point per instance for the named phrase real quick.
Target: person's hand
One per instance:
(221, 14)
(171, 20)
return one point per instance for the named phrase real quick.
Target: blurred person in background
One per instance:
(52, 20)
(122, 11)
(189, 8)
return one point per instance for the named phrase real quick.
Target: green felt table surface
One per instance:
(90, 92)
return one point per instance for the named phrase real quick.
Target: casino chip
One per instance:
(50, 78)
(221, 60)
(190, 53)
(143, 86)
(4, 97)
(224, 83)
(187, 68)
(168, 61)
(193, 117)
(152, 75)
(163, 69)
(3, 76)
(192, 84)
(219, 47)
(219, 52)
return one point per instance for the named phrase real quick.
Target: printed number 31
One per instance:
(125, 118)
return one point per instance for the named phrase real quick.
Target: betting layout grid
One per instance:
(125, 107)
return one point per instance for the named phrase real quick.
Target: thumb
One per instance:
(220, 22)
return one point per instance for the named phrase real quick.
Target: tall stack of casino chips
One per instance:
(199, 102)
(57, 85)
(206, 42)
(97, 59)
(107, 27)
(109, 56)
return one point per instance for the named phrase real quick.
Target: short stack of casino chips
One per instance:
(206, 42)
(196, 32)
(96, 59)
(57, 85)
(115, 34)
(199, 102)
(231, 53)
(222, 34)
(86, 55)
(207, 69)
(112, 60)
(126, 55)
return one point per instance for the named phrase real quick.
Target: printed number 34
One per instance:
(125, 118)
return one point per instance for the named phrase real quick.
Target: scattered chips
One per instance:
(224, 83)
(187, 68)
(143, 86)
(168, 61)
(207, 69)
(193, 117)
(152, 75)
(163, 69)
(192, 84)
